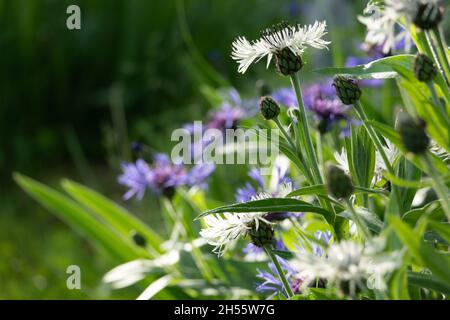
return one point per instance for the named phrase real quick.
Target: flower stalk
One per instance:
(280, 272)
(439, 186)
(438, 58)
(378, 145)
(305, 128)
(359, 222)
(308, 142)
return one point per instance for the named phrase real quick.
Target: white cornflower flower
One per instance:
(381, 20)
(349, 262)
(273, 40)
(224, 230)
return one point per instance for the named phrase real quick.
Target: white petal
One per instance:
(245, 53)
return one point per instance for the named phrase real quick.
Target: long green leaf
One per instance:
(439, 264)
(384, 68)
(428, 281)
(118, 217)
(270, 205)
(78, 218)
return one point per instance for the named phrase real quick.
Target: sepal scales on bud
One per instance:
(261, 234)
(347, 89)
(339, 184)
(428, 16)
(287, 62)
(425, 69)
(269, 108)
(413, 134)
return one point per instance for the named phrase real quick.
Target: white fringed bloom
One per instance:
(224, 230)
(381, 18)
(296, 38)
(350, 262)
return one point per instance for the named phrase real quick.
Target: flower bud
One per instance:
(428, 16)
(413, 134)
(138, 239)
(261, 234)
(339, 184)
(269, 108)
(424, 68)
(287, 62)
(347, 89)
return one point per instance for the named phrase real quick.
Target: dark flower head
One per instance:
(425, 69)
(269, 108)
(413, 134)
(429, 15)
(339, 184)
(347, 89)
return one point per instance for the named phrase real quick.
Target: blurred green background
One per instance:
(72, 101)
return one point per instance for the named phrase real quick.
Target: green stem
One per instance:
(320, 151)
(285, 134)
(359, 222)
(439, 186)
(378, 145)
(305, 127)
(440, 106)
(437, 101)
(197, 256)
(439, 40)
(436, 58)
(309, 145)
(305, 170)
(280, 272)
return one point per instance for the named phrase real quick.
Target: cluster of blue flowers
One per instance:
(162, 177)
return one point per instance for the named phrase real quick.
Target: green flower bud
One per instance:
(138, 239)
(413, 134)
(339, 184)
(261, 236)
(347, 89)
(428, 16)
(269, 108)
(287, 62)
(424, 68)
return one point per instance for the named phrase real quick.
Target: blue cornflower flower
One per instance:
(280, 185)
(226, 117)
(162, 177)
(271, 282)
(136, 177)
(286, 97)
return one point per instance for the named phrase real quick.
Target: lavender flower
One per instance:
(286, 97)
(162, 178)
(165, 176)
(280, 185)
(226, 117)
(136, 177)
(271, 282)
